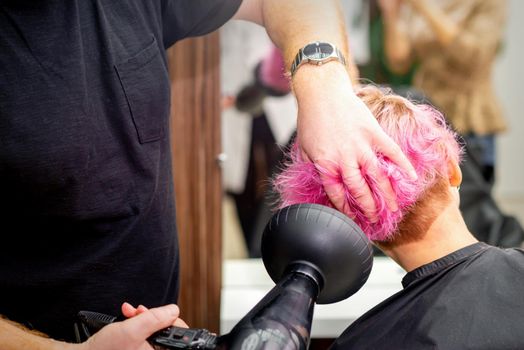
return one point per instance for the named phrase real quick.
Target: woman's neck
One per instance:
(448, 233)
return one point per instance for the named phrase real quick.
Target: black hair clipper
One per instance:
(88, 323)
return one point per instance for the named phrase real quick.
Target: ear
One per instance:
(454, 174)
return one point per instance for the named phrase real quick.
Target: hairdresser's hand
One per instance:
(129, 311)
(338, 133)
(131, 334)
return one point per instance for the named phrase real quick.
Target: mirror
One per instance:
(253, 139)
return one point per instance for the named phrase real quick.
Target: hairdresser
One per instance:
(87, 210)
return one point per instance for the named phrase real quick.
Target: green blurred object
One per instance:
(377, 70)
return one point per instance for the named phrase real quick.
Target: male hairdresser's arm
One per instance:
(130, 334)
(15, 337)
(335, 129)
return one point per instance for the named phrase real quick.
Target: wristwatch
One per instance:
(317, 53)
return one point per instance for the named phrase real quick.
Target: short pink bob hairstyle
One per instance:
(422, 134)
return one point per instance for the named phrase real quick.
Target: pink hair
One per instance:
(422, 134)
(272, 71)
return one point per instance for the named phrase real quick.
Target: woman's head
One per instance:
(422, 134)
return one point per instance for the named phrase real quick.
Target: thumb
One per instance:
(150, 321)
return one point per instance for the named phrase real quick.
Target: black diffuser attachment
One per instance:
(313, 253)
(324, 239)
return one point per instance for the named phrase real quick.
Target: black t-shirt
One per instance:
(87, 210)
(470, 299)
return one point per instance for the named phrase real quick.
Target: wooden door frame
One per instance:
(195, 143)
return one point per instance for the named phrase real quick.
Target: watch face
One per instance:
(318, 51)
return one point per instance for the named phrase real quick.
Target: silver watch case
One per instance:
(317, 53)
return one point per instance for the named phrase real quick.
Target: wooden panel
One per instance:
(195, 132)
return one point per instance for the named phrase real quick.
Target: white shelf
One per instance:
(245, 282)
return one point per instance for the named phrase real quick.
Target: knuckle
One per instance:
(158, 315)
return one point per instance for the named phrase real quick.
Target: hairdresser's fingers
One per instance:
(146, 323)
(334, 189)
(371, 164)
(132, 333)
(140, 309)
(385, 145)
(128, 310)
(332, 182)
(359, 190)
(180, 323)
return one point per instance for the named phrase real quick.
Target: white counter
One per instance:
(245, 282)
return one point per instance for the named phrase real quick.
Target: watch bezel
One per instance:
(302, 58)
(320, 45)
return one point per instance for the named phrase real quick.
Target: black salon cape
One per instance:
(470, 299)
(87, 215)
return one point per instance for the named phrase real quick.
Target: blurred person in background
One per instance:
(454, 44)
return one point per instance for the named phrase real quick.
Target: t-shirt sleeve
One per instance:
(188, 18)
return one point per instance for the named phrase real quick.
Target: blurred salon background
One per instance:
(463, 56)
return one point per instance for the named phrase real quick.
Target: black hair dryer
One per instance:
(315, 254)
